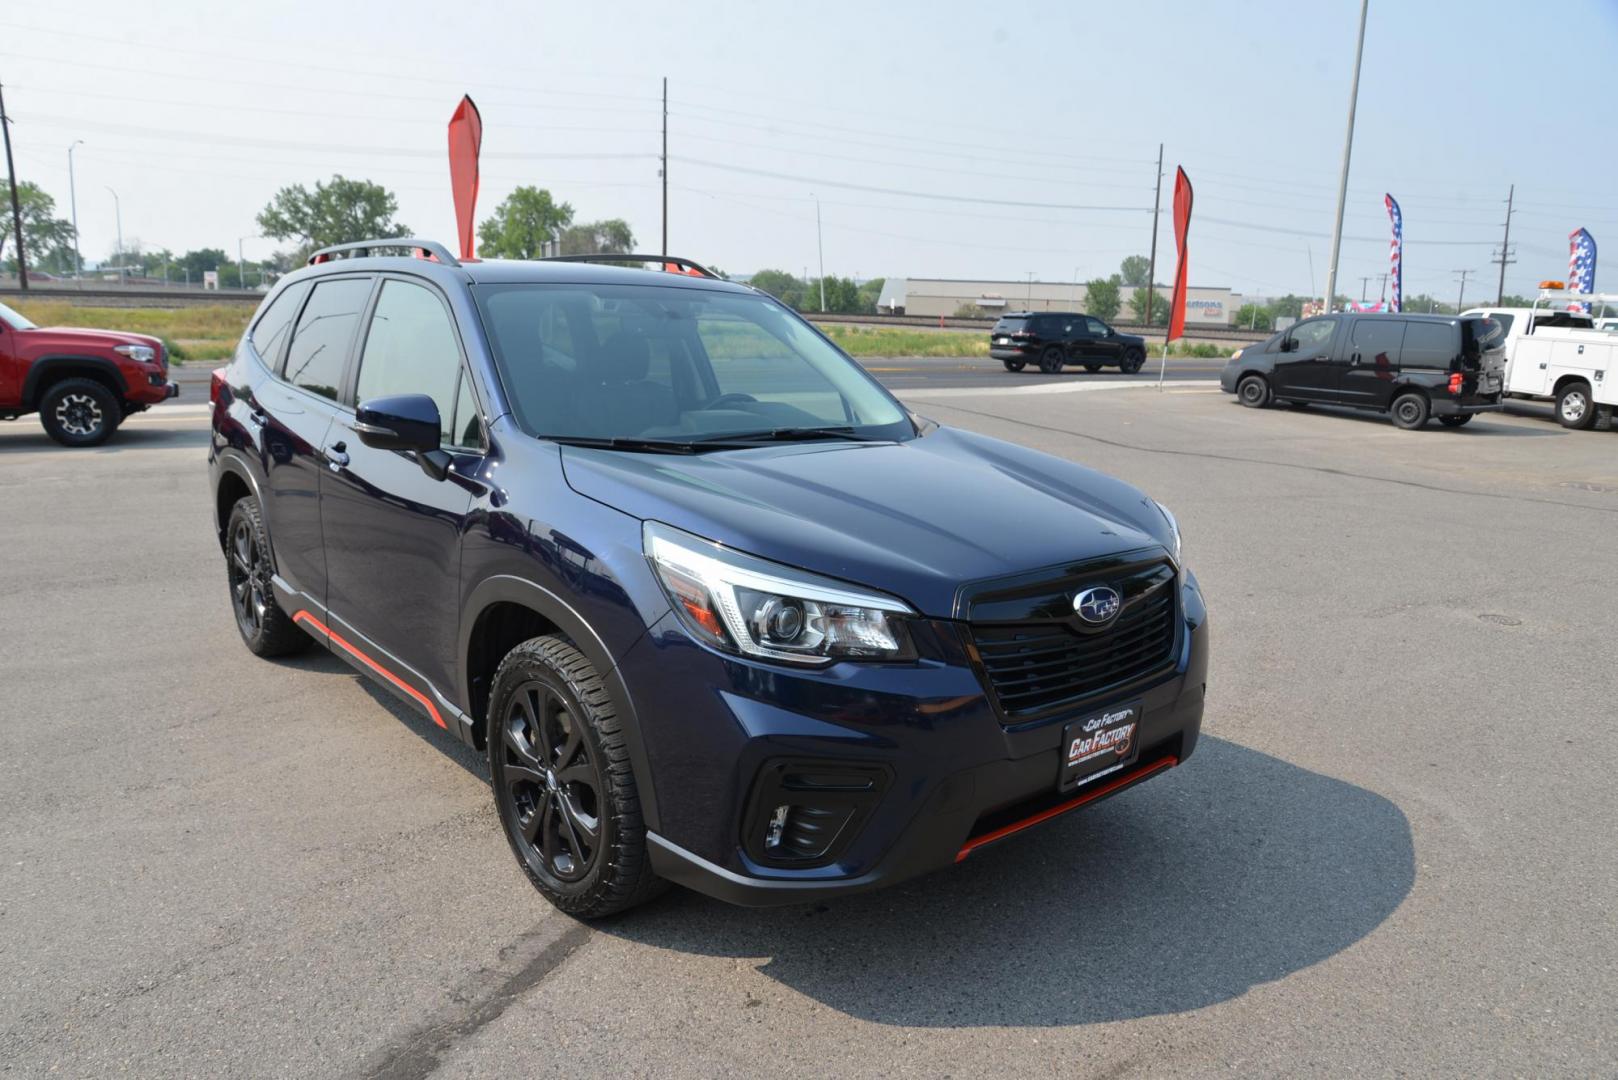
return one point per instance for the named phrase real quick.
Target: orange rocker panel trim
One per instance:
(337, 639)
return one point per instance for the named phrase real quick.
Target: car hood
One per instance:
(59, 337)
(916, 519)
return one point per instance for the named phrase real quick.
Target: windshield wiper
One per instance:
(645, 446)
(790, 434)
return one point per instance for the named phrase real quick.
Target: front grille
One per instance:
(1038, 666)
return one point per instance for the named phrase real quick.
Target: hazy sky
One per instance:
(1033, 127)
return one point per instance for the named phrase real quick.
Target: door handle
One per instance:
(336, 455)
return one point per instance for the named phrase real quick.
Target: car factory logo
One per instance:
(1098, 606)
(1100, 739)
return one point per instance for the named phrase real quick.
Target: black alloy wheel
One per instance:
(265, 628)
(1133, 362)
(1050, 361)
(1014, 365)
(563, 783)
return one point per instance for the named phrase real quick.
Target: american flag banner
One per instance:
(1581, 265)
(1396, 253)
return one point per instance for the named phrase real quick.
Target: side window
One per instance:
(1377, 341)
(1505, 322)
(1095, 327)
(466, 429)
(1314, 337)
(1429, 345)
(319, 349)
(411, 348)
(273, 325)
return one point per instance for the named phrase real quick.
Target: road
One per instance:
(1393, 853)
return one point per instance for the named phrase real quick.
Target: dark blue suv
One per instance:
(720, 609)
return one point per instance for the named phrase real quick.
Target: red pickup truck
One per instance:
(82, 383)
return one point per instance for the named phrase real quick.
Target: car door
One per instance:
(1304, 369)
(392, 532)
(1369, 371)
(292, 413)
(1101, 344)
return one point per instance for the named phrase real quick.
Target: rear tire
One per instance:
(563, 784)
(1051, 360)
(1253, 392)
(80, 412)
(265, 628)
(1455, 421)
(1574, 407)
(1410, 411)
(1014, 365)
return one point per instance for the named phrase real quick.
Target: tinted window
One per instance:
(1096, 327)
(1377, 341)
(320, 344)
(468, 431)
(1010, 325)
(411, 348)
(1314, 336)
(605, 361)
(1430, 345)
(1505, 321)
(277, 319)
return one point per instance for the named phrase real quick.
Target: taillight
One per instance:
(1455, 383)
(216, 386)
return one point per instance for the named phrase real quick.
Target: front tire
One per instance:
(1014, 365)
(1574, 406)
(1410, 411)
(563, 784)
(1133, 361)
(1253, 392)
(80, 412)
(1050, 361)
(265, 628)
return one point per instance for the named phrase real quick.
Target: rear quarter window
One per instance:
(1010, 326)
(272, 326)
(1431, 345)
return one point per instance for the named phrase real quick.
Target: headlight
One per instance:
(758, 608)
(1237, 355)
(144, 353)
(1174, 527)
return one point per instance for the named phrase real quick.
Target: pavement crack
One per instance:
(476, 1004)
(1322, 469)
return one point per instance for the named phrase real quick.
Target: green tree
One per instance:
(870, 293)
(785, 287)
(1513, 300)
(338, 212)
(1288, 306)
(1160, 305)
(842, 295)
(1101, 299)
(523, 224)
(1254, 317)
(48, 237)
(598, 237)
(1422, 304)
(190, 266)
(1136, 271)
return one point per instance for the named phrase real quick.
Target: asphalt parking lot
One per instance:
(1394, 853)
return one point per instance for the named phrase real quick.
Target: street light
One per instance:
(241, 263)
(118, 213)
(73, 200)
(820, 246)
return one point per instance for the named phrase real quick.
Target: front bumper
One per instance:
(1227, 379)
(960, 778)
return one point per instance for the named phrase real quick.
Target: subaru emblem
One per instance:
(1097, 606)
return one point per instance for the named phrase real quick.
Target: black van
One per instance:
(1410, 366)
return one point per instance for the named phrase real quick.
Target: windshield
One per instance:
(16, 321)
(653, 362)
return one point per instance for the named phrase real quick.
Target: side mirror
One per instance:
(405, 422)
(1288, 344)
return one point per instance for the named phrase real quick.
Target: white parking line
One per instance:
(173, 412)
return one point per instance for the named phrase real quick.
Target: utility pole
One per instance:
(1505, 258)
(241, 265)
(1348, 149)
(1151, 269)
(1365, 282)
(118, 214)
(1458, 305)
(73, 201)
(664, 171)
(16, 206)
(1028, 298)
(820, 246)
(1382, 294)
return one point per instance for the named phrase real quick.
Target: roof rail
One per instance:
(671, 263)
(431, 250)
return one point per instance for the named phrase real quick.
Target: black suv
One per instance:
(1054, 338)
(1410, 366)
(717, 607)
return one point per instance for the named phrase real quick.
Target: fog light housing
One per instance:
(806, 813)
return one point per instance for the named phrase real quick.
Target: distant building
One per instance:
(932, 297)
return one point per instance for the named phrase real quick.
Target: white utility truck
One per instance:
(1558, 354)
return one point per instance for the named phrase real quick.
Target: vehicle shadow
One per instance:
(1234, 870)
(1483, 425)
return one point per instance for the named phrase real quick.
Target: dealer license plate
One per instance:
(1098, 744)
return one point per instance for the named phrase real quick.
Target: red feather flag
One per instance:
(465, 141)
(1182, 227)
